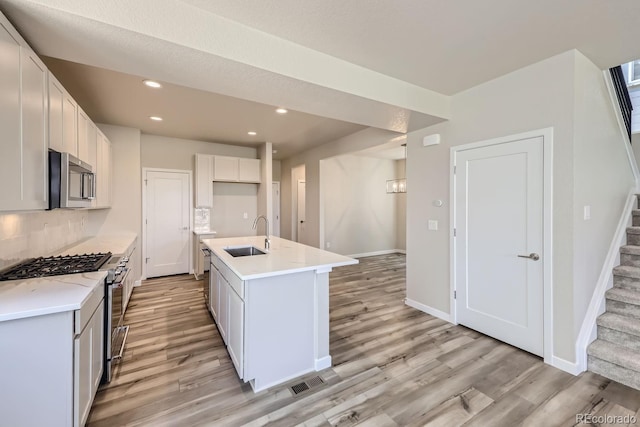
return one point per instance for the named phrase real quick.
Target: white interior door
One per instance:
(499, 211)
(276, 209)
(301, 211)
(167, 223)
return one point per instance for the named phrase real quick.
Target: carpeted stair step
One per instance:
(621, 330)
(615, 362)
(630, 256)
(625, 302)
(635, 217)
(633, 236)
(626, 277)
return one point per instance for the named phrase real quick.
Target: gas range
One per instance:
(54, 266)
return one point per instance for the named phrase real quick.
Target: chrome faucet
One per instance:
(267, 241)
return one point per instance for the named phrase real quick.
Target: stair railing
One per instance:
(624, 100)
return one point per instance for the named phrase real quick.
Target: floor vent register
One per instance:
(306, 385)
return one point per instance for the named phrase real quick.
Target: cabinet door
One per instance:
(92, 145)
(249, 170)
(34, 163)
(103, 171)
(82, 380)
(225, 168)
(97, 348)
(235, 332)
(56, 102)
(83, 141)
(214, 291)
(204, 181)
(69, 124)
(223, 311)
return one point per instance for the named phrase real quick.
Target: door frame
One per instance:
(144, 215)
(547, 218)
(273, 201)
(297, 226)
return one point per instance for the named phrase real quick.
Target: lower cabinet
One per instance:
(235, 332)
(223, 310)
(51, 365)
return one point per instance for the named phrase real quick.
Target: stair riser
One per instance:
(635, 220)
(626, 282)
(630, 260)
(623, 308)
(633, 239)
(621, 338)
(614, 372)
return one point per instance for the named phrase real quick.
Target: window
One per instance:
(633, 72)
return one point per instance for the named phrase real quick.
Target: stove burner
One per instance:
(55, 266)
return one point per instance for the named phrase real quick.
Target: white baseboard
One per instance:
(564, 365)
(429, 310)
(383, 252)
(322, 363)
(137, 283)
(401, 251)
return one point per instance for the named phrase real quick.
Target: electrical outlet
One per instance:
(245, 215)
(587, 212)
(328, 245)
(432, 225)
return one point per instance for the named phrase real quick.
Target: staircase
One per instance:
(616, 352)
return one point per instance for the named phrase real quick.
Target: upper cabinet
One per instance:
(56, 103)
(236, 169)
(103, 171)
(204, 181)
(23, 101)
(83, 137)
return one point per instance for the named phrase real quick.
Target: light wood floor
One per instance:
(393, 366)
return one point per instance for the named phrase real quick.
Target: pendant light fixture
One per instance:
(398, 185)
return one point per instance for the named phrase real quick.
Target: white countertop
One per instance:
(46, 295)
(283, 257)
(117, 244)
(204, 232)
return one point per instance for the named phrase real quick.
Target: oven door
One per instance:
(117, 332)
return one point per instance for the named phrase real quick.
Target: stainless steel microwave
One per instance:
(72, 183)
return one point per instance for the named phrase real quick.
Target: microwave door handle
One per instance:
(82, 186)
(92, 186)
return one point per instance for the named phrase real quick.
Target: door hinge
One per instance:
(454, 232)
(146, 260)
(146, 181)
(455, 294)
(455, 169)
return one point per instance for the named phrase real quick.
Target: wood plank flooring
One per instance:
(392, 366)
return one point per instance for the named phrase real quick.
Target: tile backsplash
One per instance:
(39, 233)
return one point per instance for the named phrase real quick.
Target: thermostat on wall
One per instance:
(431, 140)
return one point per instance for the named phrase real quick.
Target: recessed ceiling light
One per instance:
(156, 118)
(152, 83)
(274, 151)
(252, 133)
(282, 111)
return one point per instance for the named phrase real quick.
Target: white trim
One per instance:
(401, 251)
(144, 212)
(605, 282)
(429, 310)
(564, 365)
(547, 137)
(137, 283)
(277, 220)
(623, 130)
(322, 363)
(375, 253)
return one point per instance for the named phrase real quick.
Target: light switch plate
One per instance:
(587, 212)
(433, 224)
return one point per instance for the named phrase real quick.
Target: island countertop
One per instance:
(283, 257)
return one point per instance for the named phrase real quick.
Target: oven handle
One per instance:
(120, 282)
(124, 341)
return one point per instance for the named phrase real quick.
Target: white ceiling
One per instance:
(380, 63)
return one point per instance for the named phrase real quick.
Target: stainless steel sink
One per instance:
(244, 251)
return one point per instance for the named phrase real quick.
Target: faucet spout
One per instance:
(267, 240)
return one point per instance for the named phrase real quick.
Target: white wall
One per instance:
(602, 180)
(231, 201)
(265, 189)
(542, 95)
(359, 216)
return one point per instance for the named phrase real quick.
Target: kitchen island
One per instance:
(272, 309)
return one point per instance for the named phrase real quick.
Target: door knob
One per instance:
(534, 256)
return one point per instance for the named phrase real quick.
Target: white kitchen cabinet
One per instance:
(23, 102)
(248, 170)
(56, 104)
(225, 168)
(83, 137)
(103, 171)
(87, 364)
(214, 292)
(69, 125)
(223, 307)
(235, 332)
(57, 362)
(204, 181)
